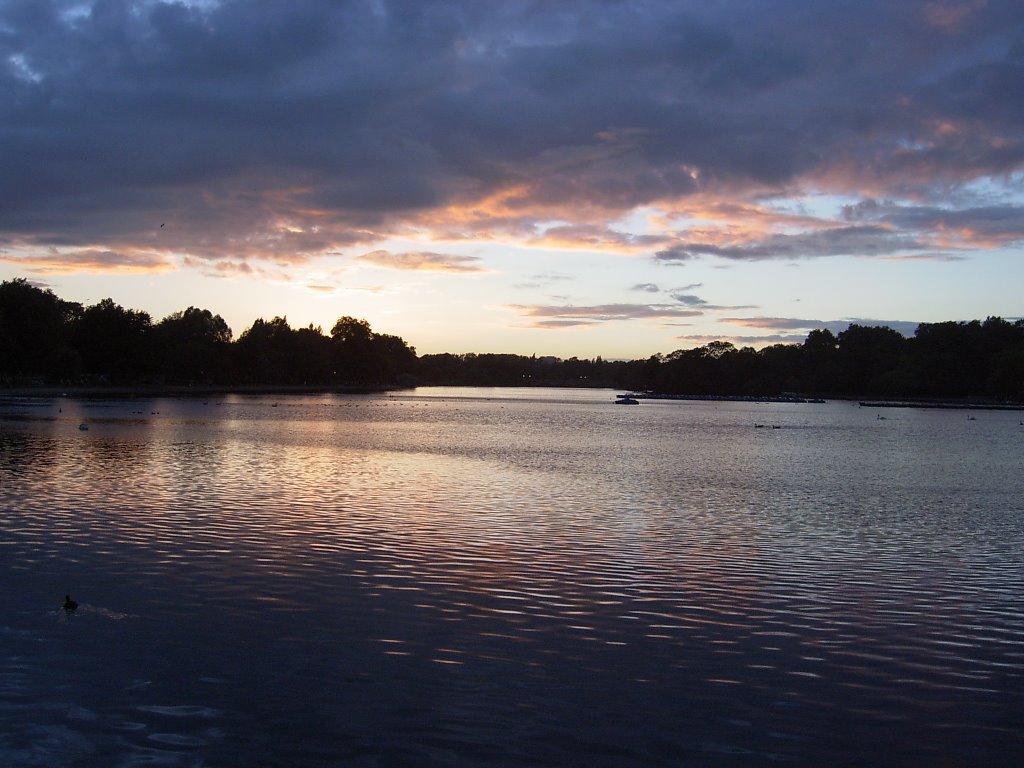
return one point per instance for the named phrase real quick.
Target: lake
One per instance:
(508, 577)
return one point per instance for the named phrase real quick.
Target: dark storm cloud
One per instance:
(333, 122)
(858, 240)
(1001, 224)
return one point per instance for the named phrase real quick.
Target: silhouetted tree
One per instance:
(946, 358)
(440, 369)
(35, 333)
(194, 347)
(44, 337)
(777, 370)
(351, 343)
(116, 344)
(264, 354)
(818, 371)
(393, 361)
(311, 354)
(865, 355)
(362, 356)
(1006, 380)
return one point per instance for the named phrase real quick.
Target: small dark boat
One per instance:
(69, 604)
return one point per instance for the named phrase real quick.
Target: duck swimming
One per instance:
(69, 604)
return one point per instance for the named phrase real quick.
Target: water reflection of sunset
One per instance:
(533, 553)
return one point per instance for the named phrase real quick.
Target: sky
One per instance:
(577, 178)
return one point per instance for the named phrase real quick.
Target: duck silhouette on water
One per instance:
(69, 604)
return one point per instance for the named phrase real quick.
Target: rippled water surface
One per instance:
(508, 577)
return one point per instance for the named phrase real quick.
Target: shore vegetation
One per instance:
(46, 341)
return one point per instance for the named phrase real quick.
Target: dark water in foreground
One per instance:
(509, 578)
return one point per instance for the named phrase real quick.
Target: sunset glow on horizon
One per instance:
(593, 178)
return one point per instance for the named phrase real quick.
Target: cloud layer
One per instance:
(422, 261)
(138, 131)
(558, 316)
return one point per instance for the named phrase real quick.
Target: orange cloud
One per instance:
(950, 17)
(422, 261)
(54, 261)
(596, 237)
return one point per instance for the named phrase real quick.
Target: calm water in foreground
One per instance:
(509, 578)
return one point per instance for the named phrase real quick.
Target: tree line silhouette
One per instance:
(46, 340)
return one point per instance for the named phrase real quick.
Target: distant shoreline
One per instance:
(728, 398)
(791, 398)
(942, 405)
(153, 391)
(114, 391)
